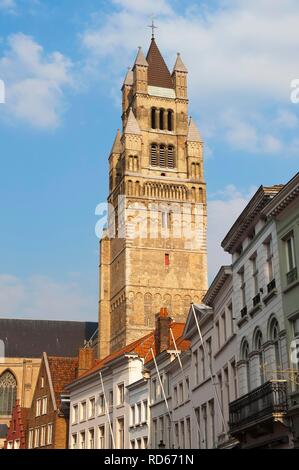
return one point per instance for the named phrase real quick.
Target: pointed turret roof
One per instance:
(129, 78)
(158, 73)
(132, 126)
(140, 59)
(179, 65)
(117, 147)
(193, 132)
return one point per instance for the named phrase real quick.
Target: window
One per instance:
(226, 384)
(161, 429)
(153, 118)
(188, 426)
(223, 324)
(50, 434)
(111, 438)
(17, 444)
(258, 345)
(133, 445)
(291, 259)
(197, 415)
(274, 336)
(83, 411)
(217, 334)
(220, 387)
(111, 399)
(38, 407)
(82, 440)
(212, 422)
(177, 435)
(145, 442)
(205, 426)
(8, 391)
(296, 327)
(91, 439)
(75, 414)
(167, 260)
(92, 406)
(139, 413)
(43, 436)
(155, 433)
(154, 389)
(44, 405)
(195, 358)
(121, 394)
(145, 410)
(235, 379)
(74, 441)
(209, 348)
(202, 364)
(42, 382)
(30, 439)
(36, 437)
(161, 119)
(231, 317)
(245, 357)
(269, 260)
(175, 394)
(182, 434)
(181, 393)
(133, 415)
(138, 444)
(162, 156)
(242, 288)
(101, 404)
(102, 437)
(170, 120)
(255, 274)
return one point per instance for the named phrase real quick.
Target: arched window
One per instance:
(245, 357)
(258, 346)
(170, 157)
(162, 152)
(161, 123)
(8, 393)
(170, 120)
(153, 118)
(154, 155)
(274, 336)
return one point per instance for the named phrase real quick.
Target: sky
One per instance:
(63, 63)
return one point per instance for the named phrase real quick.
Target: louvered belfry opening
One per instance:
(162, 156)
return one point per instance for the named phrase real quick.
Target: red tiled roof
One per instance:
(63, 371)
(158, 73)
(142, 347)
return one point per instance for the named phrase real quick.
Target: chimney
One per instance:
(86, 360)
(162, 331)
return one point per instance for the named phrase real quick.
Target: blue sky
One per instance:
(63, 63)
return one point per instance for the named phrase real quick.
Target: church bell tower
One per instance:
(155, 256)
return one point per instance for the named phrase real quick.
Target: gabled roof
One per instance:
(140, 59)
(61, 371)
(117, 146)
(158, 73)
(223, 274)
(286, 196)
(250, 214)
(132, 126)
(203, 314)
(193, 132)
(179, 65)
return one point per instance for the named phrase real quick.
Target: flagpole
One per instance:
(211, 370)
(107, 411)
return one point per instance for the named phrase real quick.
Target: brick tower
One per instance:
(156, 165)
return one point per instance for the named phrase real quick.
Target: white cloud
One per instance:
(40, 297)
(35, 82)
(8, 5)
(223, 209)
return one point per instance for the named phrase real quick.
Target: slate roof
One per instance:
(30, 338)
(179, 65)
(193, 132)
(140, 59)
(158, 73)
(117, 147)
(132, 126)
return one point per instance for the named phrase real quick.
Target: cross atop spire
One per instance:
(153, 27)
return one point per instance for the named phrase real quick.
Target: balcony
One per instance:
(292, 276)
(271, 286)
(243, 312)
(265, 403)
